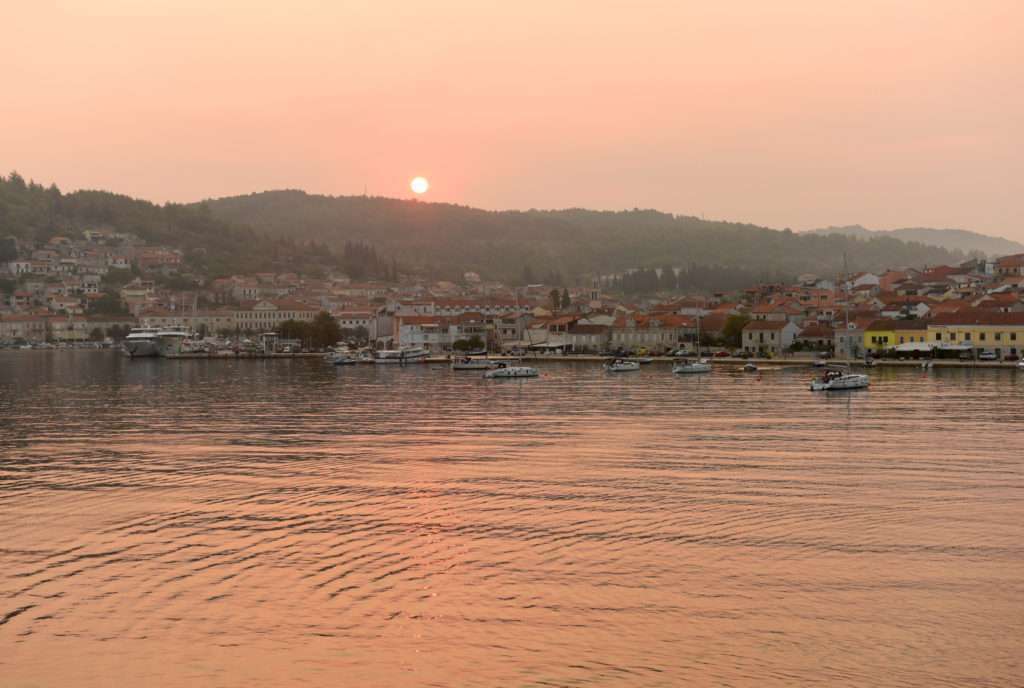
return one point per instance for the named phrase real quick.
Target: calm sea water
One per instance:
(286, 523)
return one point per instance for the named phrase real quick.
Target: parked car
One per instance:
(1011, 357)
(722, 354)
(682, 352)
(987, 356)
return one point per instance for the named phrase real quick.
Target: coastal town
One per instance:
(92, 289)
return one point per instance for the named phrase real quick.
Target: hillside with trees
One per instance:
(952, 239)
(369, 238)
(513, 245)
(211, 246)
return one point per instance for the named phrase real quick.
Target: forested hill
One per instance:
(448, 239)
(212, 246)
(952, 239)
(295, 231)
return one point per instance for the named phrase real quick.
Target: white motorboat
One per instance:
(686, 366)
(749, 368)
(416, 354)
(642, 360)
(927, 365)
(141, 342)
(820, 363)
(621, 366)
(468, 363)
(507, 371)
(839, 377)
(1020, 364)
(342, 358)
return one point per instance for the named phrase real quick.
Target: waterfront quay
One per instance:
(721, 362)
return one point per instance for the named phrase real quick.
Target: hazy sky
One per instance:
(798, 114)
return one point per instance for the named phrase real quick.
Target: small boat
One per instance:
(686, 366)
(749, 368)
(507, 371)
(927, 365)
(642, 360)
(401, 356)
(467, 363)
(839, 377)
(1020, 364)
(342, 358)
(820, 363)
(869, 363)
(622, 366)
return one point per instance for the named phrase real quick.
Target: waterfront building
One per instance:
(267, 314)
(769, 337)
(981, 330)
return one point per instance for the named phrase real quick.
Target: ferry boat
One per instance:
(506, 371)
(839, 377)
(141, 342)
(415, 354)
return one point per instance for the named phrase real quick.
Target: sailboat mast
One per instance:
(846, 289)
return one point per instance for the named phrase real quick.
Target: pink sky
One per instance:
(798, 114)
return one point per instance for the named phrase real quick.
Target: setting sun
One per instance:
(419, 185)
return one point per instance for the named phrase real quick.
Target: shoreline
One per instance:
(594, 358)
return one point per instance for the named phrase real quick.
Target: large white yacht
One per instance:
(415, 354)
(170, 342)
(141, 342)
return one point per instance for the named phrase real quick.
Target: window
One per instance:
(981, 336)
(999, 336)
(1013, 336)
(938, 336)
(967, 336)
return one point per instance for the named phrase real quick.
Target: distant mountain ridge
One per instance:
(951, 239)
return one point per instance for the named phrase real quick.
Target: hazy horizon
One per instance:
(794, 115)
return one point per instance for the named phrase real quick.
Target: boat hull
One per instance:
(846, 382)
(141, 348)
(402, 357)
(513, 372)
(691, 368)
(479, 364)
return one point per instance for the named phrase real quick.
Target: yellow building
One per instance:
(988, 331)
(883, 335)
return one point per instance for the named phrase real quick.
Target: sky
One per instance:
(787, 113)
